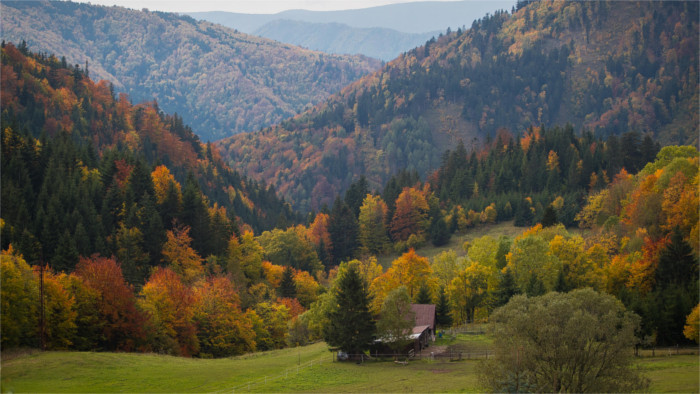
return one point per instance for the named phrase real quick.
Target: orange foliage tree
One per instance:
(410, 216)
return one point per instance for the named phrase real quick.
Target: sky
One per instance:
(246, 6)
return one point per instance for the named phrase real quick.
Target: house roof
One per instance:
(419, 329)
(425, 315)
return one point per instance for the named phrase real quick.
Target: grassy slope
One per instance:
(672, 374)
(123, 372)
(457, 241)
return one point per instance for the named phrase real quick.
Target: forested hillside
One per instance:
(376, 42)
(607, 67)
(220, 81)
(139, 239)
(86, 172)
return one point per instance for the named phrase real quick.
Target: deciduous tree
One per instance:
(181, 257)
(372, 232)
(396, 319)
(580, 341)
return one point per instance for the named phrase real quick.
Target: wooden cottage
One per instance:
(424, 330)
(422, 334)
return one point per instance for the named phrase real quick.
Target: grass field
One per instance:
(276, 371)
(672, 374)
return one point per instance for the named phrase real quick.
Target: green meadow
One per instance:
(304, 369)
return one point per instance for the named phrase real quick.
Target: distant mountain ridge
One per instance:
(220, 81)
(379, 43)
(416, 17)
(606, 67)
(381, 32)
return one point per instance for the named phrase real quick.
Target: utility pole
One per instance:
(42, 324)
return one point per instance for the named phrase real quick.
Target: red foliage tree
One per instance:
(123, 323)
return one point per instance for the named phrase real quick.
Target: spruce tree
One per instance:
(506, 288)
(549, 218)
(288, 288)
(442, 310)
(343, 229)
(350, 325)
(423, 296)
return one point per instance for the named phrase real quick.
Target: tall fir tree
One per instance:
(423, 296)
(442, 310)
(288, 288)
(343, 229)
(350, 324)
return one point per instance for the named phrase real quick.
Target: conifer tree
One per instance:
(423, 296)
(442, 310)
(350, 325)
(506, 289)
(343, 230)
(287, 287)
(550, 217)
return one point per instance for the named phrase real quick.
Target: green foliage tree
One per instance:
(291, 248)
(19, 295)
(372, 229)
(350, 324)
(467, 292)
(396, 319)
(580, 341)
(270, 325)
(446, 265)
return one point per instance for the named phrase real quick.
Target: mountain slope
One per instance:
(78, 163)
(609, 67)
(379, 43)
(220, 81)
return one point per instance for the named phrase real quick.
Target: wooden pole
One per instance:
(42, 329)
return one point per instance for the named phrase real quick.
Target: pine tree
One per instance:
(287, 287)
(350, 325)
(506, 289)
(196, 216)
(550, 217)
(677, 263)
(356, 195)
(439, 233)
(423, 296)
(442, 310)
(66, 255)
(343, 229)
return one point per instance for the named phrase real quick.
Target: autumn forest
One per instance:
(137, 236)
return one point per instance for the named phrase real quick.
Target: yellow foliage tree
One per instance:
(183, 260)
(692, 325)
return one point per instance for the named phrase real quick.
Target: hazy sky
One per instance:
(246, 6)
